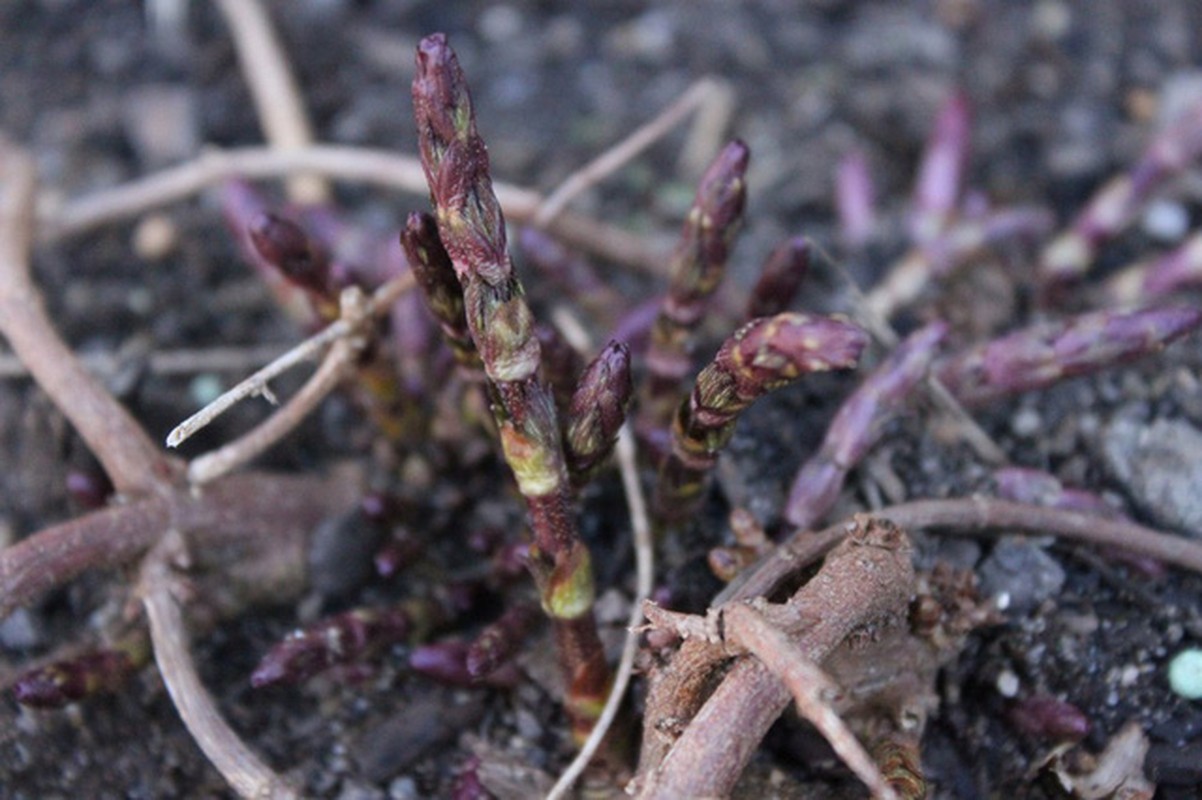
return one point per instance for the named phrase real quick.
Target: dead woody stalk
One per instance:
(472, 230)
(763, 355)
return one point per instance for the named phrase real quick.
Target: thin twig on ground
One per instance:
(699, 94)
(278, 100)
(129, 457)
(355, 315)
(338, 365)
(971, 516)
(182, 361)
(236, 762)
(382, 168)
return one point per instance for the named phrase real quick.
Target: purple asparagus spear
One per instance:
(1178, 269)
(941, 173)
(698, 266)
(1070, 255)
(855, 200)
(597, 410)
(1043, 354)
(763, 355)
(781, 277)
(858, 425)
(92, 672)
(472, 229)
(344, 639)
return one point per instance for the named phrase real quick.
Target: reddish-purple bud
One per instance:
(339, 640)
(941, 174)
(1041, 355)
(767, 353)
(597, 410)
(1049, 718)
(446, 662)
(498, 642)
(56, 685)
(285, 245)
(855, 200)
(90, 488)
(781, 278)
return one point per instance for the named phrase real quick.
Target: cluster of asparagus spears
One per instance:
(557, 422)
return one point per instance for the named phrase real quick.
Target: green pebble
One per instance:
(205, 388)
(1185, 674)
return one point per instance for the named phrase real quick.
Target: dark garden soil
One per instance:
(1064, 95)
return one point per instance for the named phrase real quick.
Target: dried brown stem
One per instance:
(337, 366)
(356, 315)
(867, 580)
(973, 516)
(237, 763)
(744, 695)
(812, 689)
(231, 519)
(182, 361)
(132, 461)
(355, 164)
(278, 100)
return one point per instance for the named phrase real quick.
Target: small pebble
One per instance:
(1158, 466)
(404, 788)
(1185, 674)
(1051, 20)
(205, 388)
(1026, 423)
(1022, 570)
(1166, 221)
(1007, 684)
(161, 122)
(500, 23)
(155, 237)
(352, 790)
(20, 631)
